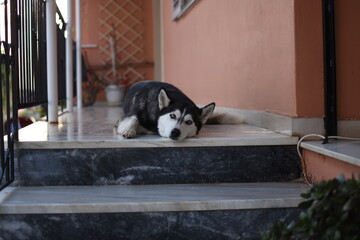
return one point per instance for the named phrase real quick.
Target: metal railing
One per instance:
(61, 55)
(8, 90)
(32, 53)
(23, 78)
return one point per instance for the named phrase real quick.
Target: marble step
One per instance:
(91, 134)
(190, 211)
(161, 165)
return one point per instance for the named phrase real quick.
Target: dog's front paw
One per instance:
(126, 133)
(127, 127)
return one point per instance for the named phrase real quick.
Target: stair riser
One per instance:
(240, 224)
(156, 165)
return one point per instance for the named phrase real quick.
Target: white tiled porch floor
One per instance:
(93, 127)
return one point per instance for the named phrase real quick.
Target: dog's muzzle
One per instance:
(175, 134)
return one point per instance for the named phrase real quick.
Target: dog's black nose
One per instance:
(175, 133)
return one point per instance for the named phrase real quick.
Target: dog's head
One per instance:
(179, 120)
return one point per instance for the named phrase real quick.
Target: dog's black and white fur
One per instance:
(161, 108)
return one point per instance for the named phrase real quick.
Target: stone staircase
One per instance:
(76, 180)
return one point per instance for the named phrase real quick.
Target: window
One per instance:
(180, 7)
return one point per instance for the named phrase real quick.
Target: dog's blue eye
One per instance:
(189, 122)
(172, 116)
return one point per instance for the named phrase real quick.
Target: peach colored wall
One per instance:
(237, 53)
(263, 55)
(347, 58)
(90, 34)
(91, 25)
(309, 58)
(321, 167)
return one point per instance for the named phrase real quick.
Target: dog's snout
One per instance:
(175, 133)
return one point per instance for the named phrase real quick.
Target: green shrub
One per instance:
(331, 210)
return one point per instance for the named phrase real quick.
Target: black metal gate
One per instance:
(23, 78)
(32, 52)
(8, 89)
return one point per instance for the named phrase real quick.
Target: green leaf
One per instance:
(306, 195)
(306, 204)
(352, 203)
(337, 235)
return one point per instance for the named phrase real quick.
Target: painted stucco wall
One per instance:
(251, 54)
(320, 167)
(309, 78)
(237, 53)
(90, 22)
(91, 27)
(262, 55)
(347, 58)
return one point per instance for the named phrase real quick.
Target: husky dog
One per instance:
(161, 108)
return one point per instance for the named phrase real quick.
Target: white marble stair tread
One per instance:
(92, 127)
(42, 135)
(346, 151)
(149, 198)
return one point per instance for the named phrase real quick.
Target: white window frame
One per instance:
(180, 7)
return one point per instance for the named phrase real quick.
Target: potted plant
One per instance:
(115, 91)
(91, 87)
(116, 85)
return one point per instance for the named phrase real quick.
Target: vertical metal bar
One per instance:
(15, 73)
(42, 53)
(2, 150)
(21, 52)
(7, 95)
(8, 58)
(78, 55)
(330, 119)
(36, 63)
(28, 51)
(52, 73)
(33, 50)
(10, 90)
(24, 49)
(69, 59)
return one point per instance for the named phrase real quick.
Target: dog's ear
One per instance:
(163, 99)
(206, 112)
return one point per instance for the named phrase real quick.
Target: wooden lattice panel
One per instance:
(122, 20)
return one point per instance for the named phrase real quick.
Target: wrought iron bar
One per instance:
(330, 119)
(2, 151)
(8, 92)
(61, 57)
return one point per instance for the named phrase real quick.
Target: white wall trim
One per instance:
(349, 128)
(291, 126)
(281, 124)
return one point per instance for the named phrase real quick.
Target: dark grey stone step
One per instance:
(217, 225)
(180, 165)
(195, 211)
